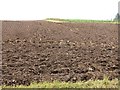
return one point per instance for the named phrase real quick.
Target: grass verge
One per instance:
(105, 83)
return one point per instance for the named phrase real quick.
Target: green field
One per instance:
(81, 20)
(82, 84)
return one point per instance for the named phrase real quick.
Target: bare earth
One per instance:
(47, 51)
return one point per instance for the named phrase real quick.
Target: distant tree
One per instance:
(117, 17)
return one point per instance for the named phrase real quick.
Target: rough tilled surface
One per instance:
(37, 51)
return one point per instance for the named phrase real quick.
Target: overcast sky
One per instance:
(74, 9)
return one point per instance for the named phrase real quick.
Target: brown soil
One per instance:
(47, 51)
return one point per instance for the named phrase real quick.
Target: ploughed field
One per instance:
(38, 51)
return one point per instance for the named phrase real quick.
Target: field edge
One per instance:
(105, 83)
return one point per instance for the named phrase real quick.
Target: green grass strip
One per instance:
(80, 20)
(82, 84)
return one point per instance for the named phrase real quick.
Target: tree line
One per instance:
(117, 17)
